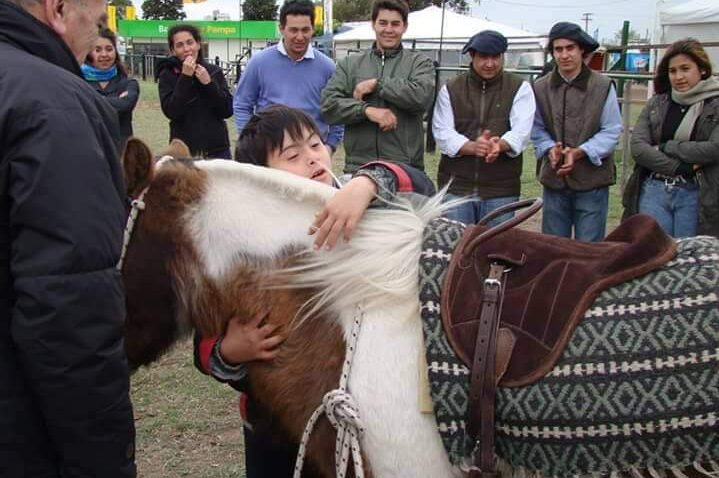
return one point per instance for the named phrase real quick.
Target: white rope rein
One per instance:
(343, 414)
(137, 205)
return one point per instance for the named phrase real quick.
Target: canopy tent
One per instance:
(425, 29)
(695, 18)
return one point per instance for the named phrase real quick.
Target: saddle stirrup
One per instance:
(483, 382)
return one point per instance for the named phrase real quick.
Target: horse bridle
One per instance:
(136, 205)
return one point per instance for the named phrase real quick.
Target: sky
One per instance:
(538, 16)
(533, 15)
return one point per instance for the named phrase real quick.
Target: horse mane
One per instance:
(377, 267)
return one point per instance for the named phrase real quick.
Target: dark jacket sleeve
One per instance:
(216, 93)
(405, 178)
(176, 92)
(644, 147)
(67, 320)
(128, 102)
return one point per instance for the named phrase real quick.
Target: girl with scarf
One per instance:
(106, 73)
(675, 145)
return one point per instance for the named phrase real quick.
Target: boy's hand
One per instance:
(342, 212)
(245, 342)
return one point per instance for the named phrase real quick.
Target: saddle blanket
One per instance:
(637, 387)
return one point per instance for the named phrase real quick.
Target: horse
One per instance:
(216, 239)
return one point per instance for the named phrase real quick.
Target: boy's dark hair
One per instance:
(689, 47)
(110, 35)
(265, 132)
(185, 27)
(399, 6)
(297, 7)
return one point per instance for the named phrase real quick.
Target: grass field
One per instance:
(188, 424)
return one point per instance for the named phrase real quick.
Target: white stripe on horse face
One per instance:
(249, 210)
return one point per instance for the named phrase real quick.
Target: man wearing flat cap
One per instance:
(576, 128)
(482, 122)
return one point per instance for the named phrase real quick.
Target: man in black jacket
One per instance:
(64, 390)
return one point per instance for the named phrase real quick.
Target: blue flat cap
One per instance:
(487, 42)
(573, 32)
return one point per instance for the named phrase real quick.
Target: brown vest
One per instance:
(572, 114)
(477, 105)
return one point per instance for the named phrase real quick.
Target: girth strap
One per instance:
(483, 382)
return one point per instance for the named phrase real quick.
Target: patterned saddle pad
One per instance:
(636, 388)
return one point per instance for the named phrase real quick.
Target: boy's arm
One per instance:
(209, 361)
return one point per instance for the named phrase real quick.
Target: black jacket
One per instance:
(125, 105)
(64, 387)
(196, 112)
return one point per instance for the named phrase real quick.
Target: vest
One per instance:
(572, 114)
(477, 105)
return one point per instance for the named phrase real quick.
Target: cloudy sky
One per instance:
(533, 15)
(539, 15)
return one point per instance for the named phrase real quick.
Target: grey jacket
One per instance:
(405, 85)
(703, 151)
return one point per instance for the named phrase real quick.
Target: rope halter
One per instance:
(136, 205)
(343, 414)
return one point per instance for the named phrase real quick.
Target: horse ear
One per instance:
(138, 165)
(177, 149)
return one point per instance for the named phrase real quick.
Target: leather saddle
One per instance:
(512, 298)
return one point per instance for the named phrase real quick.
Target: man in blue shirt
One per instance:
(576, 128)
(291, 73)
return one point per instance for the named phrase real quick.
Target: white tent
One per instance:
(695, 18)
(425, 29)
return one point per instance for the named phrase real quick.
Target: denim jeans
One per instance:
(675, 208)
(585, 211)
(471, 212)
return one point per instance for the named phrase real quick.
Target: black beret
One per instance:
(572, 31)
(487, 42)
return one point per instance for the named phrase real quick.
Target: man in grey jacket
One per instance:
(381, 95)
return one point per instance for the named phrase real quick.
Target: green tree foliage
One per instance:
(120, 4)
(163, 10)
(259, 10)
(352, 10)
(360, 10)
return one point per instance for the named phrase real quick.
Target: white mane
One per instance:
(261, 212)
(378, 266)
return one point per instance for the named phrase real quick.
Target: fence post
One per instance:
(431, 146)
(626, 117)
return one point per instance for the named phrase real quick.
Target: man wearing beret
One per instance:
(482, 122)
(576, 128)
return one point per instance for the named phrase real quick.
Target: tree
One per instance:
(352, 10)
(633, 35)
(120, 4)
(459, 6)
(163, 10)
(259, 10)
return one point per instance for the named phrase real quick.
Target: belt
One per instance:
(673, 180)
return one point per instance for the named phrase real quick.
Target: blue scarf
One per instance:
(95, 74)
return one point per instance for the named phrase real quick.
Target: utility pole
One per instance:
(586, 17)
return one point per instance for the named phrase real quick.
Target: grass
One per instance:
(188, 424)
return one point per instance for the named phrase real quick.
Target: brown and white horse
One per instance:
(204, 249)
(218, 239)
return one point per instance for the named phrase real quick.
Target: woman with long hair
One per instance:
(104, 70)
(194, 95)
(675, 145)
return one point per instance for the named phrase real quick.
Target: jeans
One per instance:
(471, 212)
(585, 211)
(675, 208)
